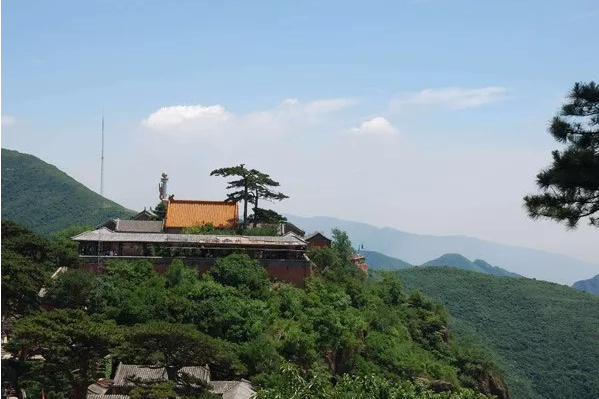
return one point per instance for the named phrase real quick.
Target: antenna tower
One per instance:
(101, 193)
(102, 159)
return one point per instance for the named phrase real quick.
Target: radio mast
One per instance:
(102, 159)
(101, 193)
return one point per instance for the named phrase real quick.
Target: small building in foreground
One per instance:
(128, 376)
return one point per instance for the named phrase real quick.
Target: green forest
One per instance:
(544, 336)
(46, 200)
(342, 336)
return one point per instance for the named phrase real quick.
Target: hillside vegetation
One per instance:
(379, 261)
(591, 285)
(343, 336)
(545, 336)
(44, 199)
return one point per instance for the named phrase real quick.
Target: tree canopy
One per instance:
(570, 185)
(250, 186)
(352, 336)
(72, 344)
(26, 266)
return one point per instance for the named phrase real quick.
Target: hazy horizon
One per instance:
(392, 114)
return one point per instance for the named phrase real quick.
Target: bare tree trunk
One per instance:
(245, 205)
(256, 209)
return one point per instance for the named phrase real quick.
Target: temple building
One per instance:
(283, 257)
(162, 241)
(147, 237)
(318, 240)
(128, 376)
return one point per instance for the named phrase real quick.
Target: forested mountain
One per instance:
(459, 261)
(379, 261)
(453, 260)
(544, 335)
(493, 270)
(591, 285)
(417, 249)
(342, 336)
(45, 199)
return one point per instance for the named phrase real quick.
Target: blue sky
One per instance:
(432, 115)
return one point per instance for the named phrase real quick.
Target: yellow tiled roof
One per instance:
(188, 213)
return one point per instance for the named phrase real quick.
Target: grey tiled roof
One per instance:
(220, 387)
(132, 226)
(125, 373)
(138, 226)
(243, 390)
(144, 213)
(96, 389)
(233, 389)
(287, 227)
(315, 234)
(106, 235)
(199, 372)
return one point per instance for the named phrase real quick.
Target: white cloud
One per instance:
(8, 120)
(452, 97)
(200, 119)
(183, 117)
(378, 125)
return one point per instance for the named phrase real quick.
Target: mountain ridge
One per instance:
(380, 261)
(419, 248)
(45, 199)
(590, 285)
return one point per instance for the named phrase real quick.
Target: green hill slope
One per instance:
(379, 261)
(591, 285)
(454, 260)
(45, 199)
(461, 262)
(493, 270)
(545, 336)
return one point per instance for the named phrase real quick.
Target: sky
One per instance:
(429, 116)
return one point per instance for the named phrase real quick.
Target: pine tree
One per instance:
(262, 189)
(570, 185)
(243, 186)
(250, 187)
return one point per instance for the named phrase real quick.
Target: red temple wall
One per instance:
(294, 272)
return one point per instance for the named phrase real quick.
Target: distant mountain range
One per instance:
(479, 265)
(379, 261)
(44, 199)
(591, 285)
(417, 249)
